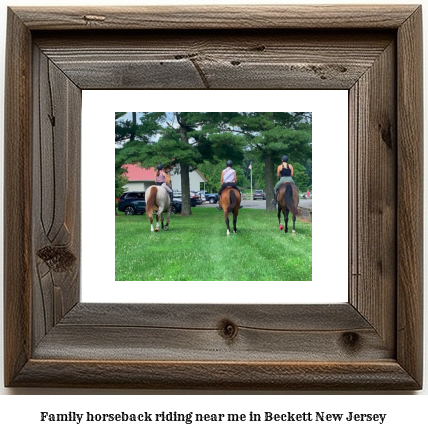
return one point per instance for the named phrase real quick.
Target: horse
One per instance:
(157, 198)
(288, 200)
(230, 200)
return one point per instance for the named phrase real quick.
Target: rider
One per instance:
(228, 179)
(160, 179)
(285, 173)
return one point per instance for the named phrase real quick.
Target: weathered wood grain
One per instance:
(200, 332)
(216, 60)
(386, 375)
(410, 196)
(373, 174)
(372, 342)
(217, 17)
(56, 194)
(210, 316)
(17, 197)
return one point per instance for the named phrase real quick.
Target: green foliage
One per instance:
(118, 115)
(204, 139)
(120, 182)
(300, 177)
(212, 173)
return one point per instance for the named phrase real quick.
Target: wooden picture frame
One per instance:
(372, 342)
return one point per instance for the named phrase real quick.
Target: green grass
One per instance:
(196, 248)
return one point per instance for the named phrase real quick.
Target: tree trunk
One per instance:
(134, 124)
(185, 190)
(186, 209)
(269, 181)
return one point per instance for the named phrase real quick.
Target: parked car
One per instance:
(176, 205)
(193, 198)
(210, 197)
(202, 196)
(195, 195)
(259, 194)
(132, 202)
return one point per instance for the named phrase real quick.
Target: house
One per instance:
(140, 179)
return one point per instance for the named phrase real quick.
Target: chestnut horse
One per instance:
(157, 198)
(230, 200)
(288, 200)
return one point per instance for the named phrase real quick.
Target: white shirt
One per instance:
(228, 175)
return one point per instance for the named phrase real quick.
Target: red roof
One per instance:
(137, 173)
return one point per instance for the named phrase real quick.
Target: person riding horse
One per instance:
(285, 173)
(161, 178)
(228, 179)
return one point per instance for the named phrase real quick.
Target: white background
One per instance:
(330, 229)
(405, 413)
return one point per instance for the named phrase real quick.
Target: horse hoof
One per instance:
(157, 230)
(235, 232)
(227, 233)
(294, 233)
(281, 227)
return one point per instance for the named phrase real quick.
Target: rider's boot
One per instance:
(274, 201)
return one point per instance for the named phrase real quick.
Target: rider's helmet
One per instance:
(284, 158)
(229, 163)
(160, 166)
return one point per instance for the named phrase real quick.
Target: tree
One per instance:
(184, 141)
(270, 135)
(125, 129)
(301, 177)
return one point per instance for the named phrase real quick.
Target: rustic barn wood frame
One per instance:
(374, 341)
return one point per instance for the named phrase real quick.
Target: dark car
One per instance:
(194, 199)
(195, 195)
(132, 202)
(176, 205)
(210, 197)
(258, 194)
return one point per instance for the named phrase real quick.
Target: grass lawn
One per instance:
(196, 248)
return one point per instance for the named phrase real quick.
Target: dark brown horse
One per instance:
(288, 200)
(230, 200)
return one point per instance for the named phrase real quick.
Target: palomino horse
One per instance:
(157, 198)
(230, 200)
(288, 200)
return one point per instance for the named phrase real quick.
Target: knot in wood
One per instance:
(228, 330)
(94, 18)
(58, 259)
(351, 340)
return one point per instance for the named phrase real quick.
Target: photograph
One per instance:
(222, 196)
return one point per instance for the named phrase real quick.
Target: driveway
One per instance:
(261, 204)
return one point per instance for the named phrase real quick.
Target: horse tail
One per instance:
(151, 202)
(232, 200)
(289, 201)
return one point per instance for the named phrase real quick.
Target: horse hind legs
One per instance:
(227, 226)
